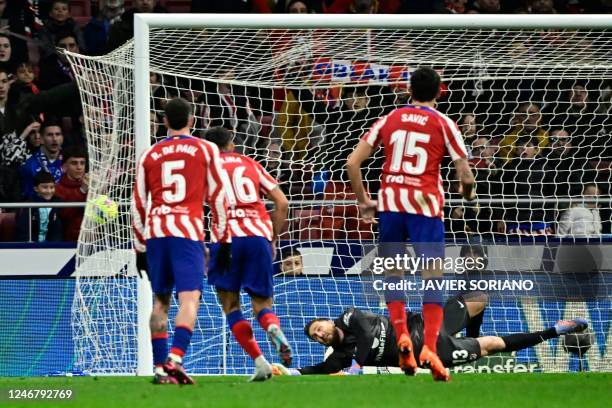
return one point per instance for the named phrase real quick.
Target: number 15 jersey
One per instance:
(415, 139)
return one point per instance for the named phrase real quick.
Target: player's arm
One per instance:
(270, 188)
(281, 208)
(464, 173)
(362, 152)
(353, 168)
(139, 204)
(456, 148)
(334, 363)
(220, 193)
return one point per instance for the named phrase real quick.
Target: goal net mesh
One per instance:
(534, 108)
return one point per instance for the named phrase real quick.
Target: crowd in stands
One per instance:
(535, 148)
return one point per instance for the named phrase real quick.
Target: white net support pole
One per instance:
(142, 142)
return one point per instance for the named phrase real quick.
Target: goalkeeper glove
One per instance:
(142, 266)
(355, 369)
(224, 256)
(279, 369)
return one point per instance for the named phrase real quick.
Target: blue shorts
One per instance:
(175, 262)
(425, 233)
(251, 267)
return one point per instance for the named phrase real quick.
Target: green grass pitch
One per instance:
(465, 390)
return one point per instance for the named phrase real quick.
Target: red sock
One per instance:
(267, 317)
(244, 335)
(432, 315)
(397, 315)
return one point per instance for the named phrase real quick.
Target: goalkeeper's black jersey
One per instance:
(369, 339)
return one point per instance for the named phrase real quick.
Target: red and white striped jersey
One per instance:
(249, 180)
(174, 179)
(415, 140)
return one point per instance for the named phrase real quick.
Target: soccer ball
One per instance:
(101, 210)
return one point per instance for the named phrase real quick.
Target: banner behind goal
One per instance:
(533, 104)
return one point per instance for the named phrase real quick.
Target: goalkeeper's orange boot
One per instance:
(407, 362)
(177, 371)
(430, 360)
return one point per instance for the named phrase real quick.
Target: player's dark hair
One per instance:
(43, 177)
(177, 111)
(219, 136)
(424, 84)
(77, 151)
(310, 323)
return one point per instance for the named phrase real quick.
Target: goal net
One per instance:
(534, 108)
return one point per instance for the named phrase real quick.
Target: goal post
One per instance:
(364, 55)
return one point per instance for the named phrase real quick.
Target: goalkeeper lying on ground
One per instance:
(369, 339)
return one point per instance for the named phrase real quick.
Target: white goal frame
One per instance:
(144, 22)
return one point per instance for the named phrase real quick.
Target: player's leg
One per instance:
(392, 238)
(258, 282)
(159, 338)
(476, 303)
(243, 333)
(228, 284)
(262, 308)
(464, 312)
(519, 341)
(188, 271)
(427, 236)
(162, 284)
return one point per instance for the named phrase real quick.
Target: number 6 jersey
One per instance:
(415, 139)
(249, 180)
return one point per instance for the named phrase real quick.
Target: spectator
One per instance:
(565, 170)
(97, 29)
(230, 6)
(456, 6)
(122, 30)
(59, 25)
(22, 19)
(294, 125)
(7, 61)
(25, 75)
(469, 127)
(47, 158)
(523, 179)
(4, 90)
(40, 224)
(33, 138)
(344, 126)
(275, 165)
(229, 106)
(291, 264)
(56, 69)
(10, 191)
(364, 6)
(542, 7)
(14, 146)
(526, 122)
(483, 154)
(73, 187)
(574, 112)
(297, 7)
(582, 220)
(487, 6)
